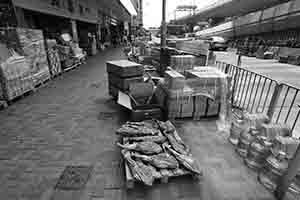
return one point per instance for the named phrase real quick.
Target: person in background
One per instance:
(125, 38)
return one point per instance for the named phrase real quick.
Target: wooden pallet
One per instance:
(56, 75)
(130, 180)
(41, 84)
(25, 94)
(71, 67)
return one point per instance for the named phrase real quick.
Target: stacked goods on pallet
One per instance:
(175, 95)
(199, 94)
(153, 150)
(32, 44)
(213, 89)
(53, 58)
(122, 73)
(181, 63)
(15, 77)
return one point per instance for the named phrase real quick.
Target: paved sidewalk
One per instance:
(72, 122)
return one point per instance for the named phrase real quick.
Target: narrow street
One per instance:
(71, 121)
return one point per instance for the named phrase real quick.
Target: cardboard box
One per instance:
(174, 80)
(124, 68)
(140, 112)
(181, 63)
(123, 83)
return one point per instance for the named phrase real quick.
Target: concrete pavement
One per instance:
(72, 121)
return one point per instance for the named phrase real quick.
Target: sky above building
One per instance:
(153, 10)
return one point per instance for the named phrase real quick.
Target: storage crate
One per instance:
(123, 83)
(124, 68)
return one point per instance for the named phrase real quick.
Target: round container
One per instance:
(244, 143)
(274, 169)
(257, 154)
(237, 127)
(295, 187)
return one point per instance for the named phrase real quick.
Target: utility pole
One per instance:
(163, 26)
(163, 42)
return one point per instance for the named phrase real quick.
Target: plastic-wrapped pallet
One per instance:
(174, 80)
(16, 77)
(213, 90)
(181, 63)
(32, 44)
(178, 103)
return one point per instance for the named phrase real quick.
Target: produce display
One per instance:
(154, 150)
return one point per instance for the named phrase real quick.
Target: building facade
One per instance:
(78, 17)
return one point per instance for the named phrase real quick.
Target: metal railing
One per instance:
(257, 93)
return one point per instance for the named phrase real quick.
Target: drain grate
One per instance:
(74, 178)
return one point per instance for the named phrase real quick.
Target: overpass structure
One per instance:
(238, 18)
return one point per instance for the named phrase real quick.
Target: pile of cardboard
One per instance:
(122, 73)
(198, 48)
(181, 63)
(196, 95)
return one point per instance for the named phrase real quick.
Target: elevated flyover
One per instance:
(228, 8)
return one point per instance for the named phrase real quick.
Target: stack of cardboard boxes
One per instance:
(196, 95)
(122, 73)
(181, 63)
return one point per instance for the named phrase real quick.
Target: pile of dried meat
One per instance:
(153, 150)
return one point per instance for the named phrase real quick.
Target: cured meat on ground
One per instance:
(187, 161)
(147, 148)
(176, 142)
(157, 139)
(137, 129)
(139, 170)
(162, 160)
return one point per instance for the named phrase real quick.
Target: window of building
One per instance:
(81, 9)
(70, 6)
(55, 3)
(87, 10)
